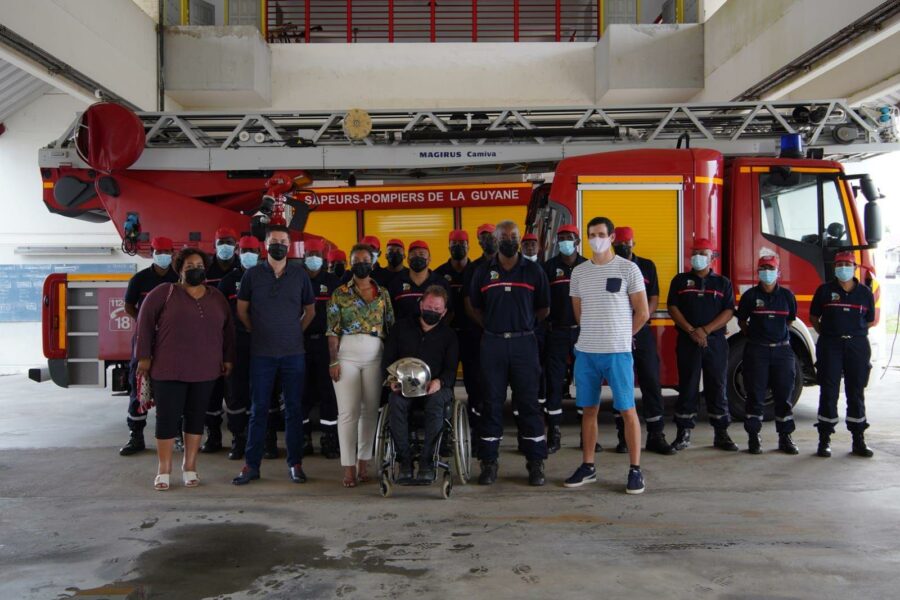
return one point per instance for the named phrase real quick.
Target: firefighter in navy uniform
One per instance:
(530, 251)
(562, 329)
(394, 256)
(237, 384)
(646, 358)
(701, 302)
(141, 284)
(765, 314)
(408, 287)
(508, 294)
(471, 345)
(319, 387)
(842, 312)
(337, 263)
(379, 273)
(224, 263)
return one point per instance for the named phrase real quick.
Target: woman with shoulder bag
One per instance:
(185, 342)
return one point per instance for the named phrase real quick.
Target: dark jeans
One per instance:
(851, 358)
(434, 421)
(177, 399)
(263, 370)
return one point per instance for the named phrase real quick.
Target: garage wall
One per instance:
(26, 222)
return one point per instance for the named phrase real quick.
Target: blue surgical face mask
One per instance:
(162, 260)
(249, 259)
(313, 263)
(844, 273)
(567, 247)
(699, 262)
(224, 251)
(768, 276)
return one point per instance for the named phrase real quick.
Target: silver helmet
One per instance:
(412, 374)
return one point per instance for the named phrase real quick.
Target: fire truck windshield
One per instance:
(803, 207)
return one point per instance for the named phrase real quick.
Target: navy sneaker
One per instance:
(583, 474)
(635, 482)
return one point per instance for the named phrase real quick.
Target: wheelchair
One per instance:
(452, 450)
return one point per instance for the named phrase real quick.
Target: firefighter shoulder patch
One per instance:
(760, 303)
(448, 277)
(406, 287)
(495, 275)
(835, 296)
(323, 289)
(560, 273)
(690, 283)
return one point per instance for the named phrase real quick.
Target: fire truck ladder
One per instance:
(411, 144)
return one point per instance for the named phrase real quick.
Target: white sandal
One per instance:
(161, 483)
(190, 478)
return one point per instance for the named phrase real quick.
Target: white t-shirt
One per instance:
(606, 312)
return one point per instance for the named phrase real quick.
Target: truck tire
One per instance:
(734, 383)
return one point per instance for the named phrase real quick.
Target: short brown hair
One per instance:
(437, 291)
(186, 253)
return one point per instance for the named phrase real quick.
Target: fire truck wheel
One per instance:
(734, 383)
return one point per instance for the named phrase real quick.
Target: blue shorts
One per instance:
(592, 368)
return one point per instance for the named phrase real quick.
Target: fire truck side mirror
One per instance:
(872, 217)
(868, 189)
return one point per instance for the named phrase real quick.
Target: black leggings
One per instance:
(177, 399)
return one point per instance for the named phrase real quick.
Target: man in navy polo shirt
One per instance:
(765, 314)
(407, 287)
(276, 304)
(842, 312)
(508, 295)
(701, 302)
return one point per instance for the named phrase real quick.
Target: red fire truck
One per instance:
(184, 175)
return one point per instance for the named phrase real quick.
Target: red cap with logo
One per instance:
(371, 240)
(161, 243)
(846, 256)
(418, 244)
(337, 256)
(486, 228)
(529, 237)
(459, 235)
(226, 232)
(768, 260)
(248, 242)
(624, 234)
(702, 244)
(314, 245)
(567, 229)
(395, 242)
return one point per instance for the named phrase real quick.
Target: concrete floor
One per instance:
(75, 516)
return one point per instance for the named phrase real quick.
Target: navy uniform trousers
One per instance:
(769, 366)
(849, 356)
(712, 361)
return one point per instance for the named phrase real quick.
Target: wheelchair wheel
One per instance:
(382, 439)
(446, 485)
(387, 488)
(462, 442)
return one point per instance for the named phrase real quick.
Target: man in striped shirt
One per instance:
(610, 304)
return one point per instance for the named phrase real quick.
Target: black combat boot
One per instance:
(722, 441)
(554, 439)
(135, 444)
(786, 444)
(754, 444)
(682, 439)
(824, 449)
(536, 472)
(859, 445)
(489, 470)
(213, 441)
(238, 446)
(656, 442)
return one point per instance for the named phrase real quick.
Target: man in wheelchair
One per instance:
(429, 338)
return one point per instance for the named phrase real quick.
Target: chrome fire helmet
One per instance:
(412, 374)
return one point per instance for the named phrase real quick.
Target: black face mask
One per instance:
(418, 264)
(623, 250)
(395, 259)
(362, 269)
(457, 252)
(277, 251)
(509, 248)
(339, 269)
(195, 276)
(489, 245)
(431, 317)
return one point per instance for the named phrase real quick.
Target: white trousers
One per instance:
(358, 395)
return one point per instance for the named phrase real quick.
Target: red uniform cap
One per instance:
(487, 227)
(337, 256)
(161, 243)
(248, 242)
(848, 256)
(568, 229)
(395, 242)
(769, 260)
(459, 235)
(314, 244)
(418, 244)
(226, 232)
(373, 241)
(702, 244)
(529, 237)
(624, 234)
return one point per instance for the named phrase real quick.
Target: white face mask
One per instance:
(531, 258)
(600, 245)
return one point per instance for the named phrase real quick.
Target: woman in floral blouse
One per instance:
(359, 315)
